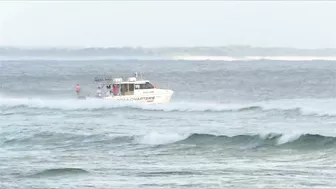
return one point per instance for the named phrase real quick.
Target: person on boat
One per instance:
(108, 90)
(99, 92)
(77, 89)
(115, 90)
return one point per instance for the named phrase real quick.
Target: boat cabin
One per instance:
(118, 87)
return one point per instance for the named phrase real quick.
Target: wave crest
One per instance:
(318, 107)
(270, 140)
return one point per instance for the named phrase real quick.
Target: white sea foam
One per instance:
(319, 107)
(155, 138)
(91, 104)
(159, 138)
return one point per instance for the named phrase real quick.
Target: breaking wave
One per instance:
(308, 141)
(272, 139)
(318, 107)
(298, 141)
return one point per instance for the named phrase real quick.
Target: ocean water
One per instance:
(252, 124)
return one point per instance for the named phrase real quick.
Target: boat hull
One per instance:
(163, 97)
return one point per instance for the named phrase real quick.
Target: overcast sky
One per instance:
(157, 24)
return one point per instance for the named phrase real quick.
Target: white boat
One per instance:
(132, 89)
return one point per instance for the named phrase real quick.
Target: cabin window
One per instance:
(123, 89)
(131, 87)
(146, 85)
(127, 89)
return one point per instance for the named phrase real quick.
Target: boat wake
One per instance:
(311, 107)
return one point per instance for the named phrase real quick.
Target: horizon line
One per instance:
(160, 47)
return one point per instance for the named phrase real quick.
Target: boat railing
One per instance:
(103, 78)
(137, 75)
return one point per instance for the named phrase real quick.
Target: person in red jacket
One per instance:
(77, 89)
(115, 90)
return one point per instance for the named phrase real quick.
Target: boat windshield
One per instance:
(146, 85)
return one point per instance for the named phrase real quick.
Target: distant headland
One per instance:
(225, 53)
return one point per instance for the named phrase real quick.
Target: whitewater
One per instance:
(231, 124)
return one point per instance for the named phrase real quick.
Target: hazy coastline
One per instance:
(228, 53)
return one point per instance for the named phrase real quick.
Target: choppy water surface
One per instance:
(261, 124)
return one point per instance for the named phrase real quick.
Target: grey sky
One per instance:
(151, 24)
